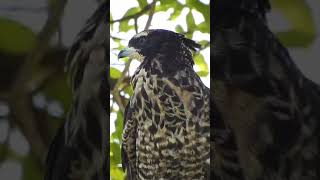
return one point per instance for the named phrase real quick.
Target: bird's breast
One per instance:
(170, 132)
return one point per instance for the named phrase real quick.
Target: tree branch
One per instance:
(20, 97)
(151, 13)
(137, 15)
(136, 25)
(116, 38)
(115, 90)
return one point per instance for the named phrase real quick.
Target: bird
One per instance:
(79, 149)
(166, 132)
(265, 120)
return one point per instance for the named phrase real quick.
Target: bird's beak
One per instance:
(127, 52)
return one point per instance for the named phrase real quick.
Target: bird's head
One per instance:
(150, 43)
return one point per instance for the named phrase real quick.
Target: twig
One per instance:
(144, 10)
(151, 13)
(115, 90)
(136, 25)
(40, 78)
(116, 38)
(20, 98)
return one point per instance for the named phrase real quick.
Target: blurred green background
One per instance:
(34, 38)
(34, 93)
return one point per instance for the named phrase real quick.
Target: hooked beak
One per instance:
(127, 52)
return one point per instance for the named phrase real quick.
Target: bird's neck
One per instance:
(161, 66)
(168, 61)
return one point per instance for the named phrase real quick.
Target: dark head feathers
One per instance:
(163, 44)
(181, 37)
(191, 44)
(161, 36)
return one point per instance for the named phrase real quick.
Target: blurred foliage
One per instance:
(25, 37)
(38, 106)
(303, 29)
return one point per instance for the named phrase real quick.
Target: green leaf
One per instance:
(142, 3)
(294, 38)
(111, 24)
(162, 8)
(204, 27)
(168, 2)
(179, 29)
(119, 125)
(296, 11)
(165, 5)
(177, 11)
(115, 153)
(132, 11)
(129, 90)
(116, 173)
(204, 43)
(115, 73)
(202, 73)
(201, 7)
(120, 46)
(15, 38)
(202, 64)
(124, 25)
(190, 22)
